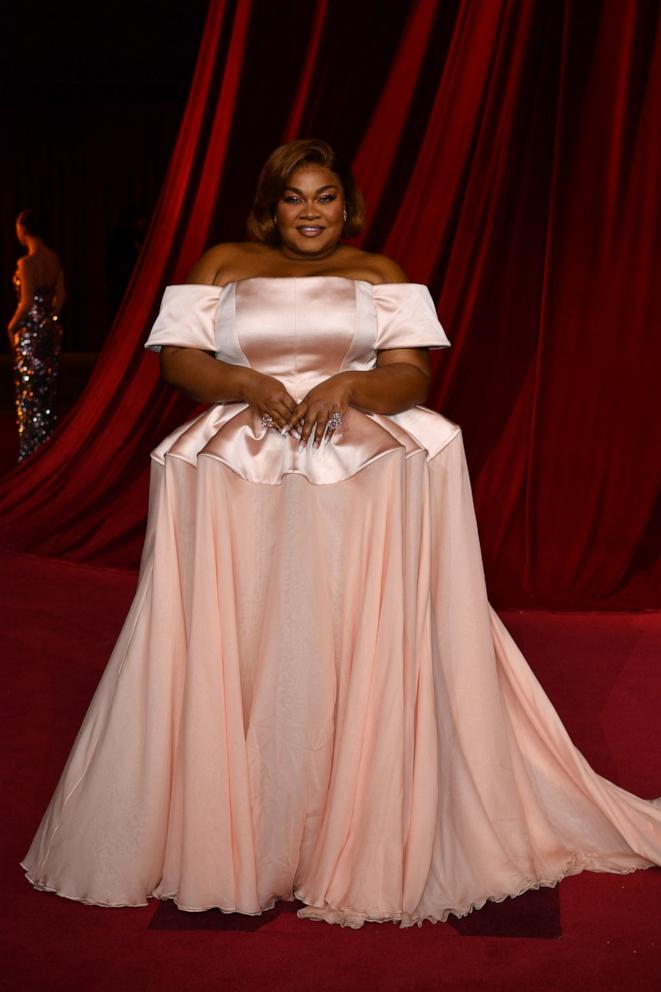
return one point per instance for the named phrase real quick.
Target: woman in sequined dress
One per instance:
(35, 334)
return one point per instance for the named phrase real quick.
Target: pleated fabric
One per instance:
(311, 696)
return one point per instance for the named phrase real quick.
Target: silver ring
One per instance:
(267, 420)
(334, 420)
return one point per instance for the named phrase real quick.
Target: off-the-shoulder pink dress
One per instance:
(311, 696)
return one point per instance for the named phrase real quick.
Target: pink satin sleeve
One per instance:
(406, 317)
(186, 318)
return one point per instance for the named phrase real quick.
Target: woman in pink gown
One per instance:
(311, 696)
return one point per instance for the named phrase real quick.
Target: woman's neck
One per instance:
(33, 243)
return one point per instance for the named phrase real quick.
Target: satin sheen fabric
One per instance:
(311, 696)
(312, 328)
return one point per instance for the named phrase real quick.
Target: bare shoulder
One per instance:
(209, 267)
(387, 269)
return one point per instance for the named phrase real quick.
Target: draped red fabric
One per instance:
(509, 154)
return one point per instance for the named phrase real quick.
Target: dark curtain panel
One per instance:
(90, 106)
(97, 172)
(509, 153)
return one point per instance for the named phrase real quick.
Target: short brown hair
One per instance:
(273, 178)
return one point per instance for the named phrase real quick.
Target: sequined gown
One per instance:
(37, 345)
(311, 696)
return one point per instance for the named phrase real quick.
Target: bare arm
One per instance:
(197, 373)
(398, 383)
(204, 378)
(27, 294)
(400, 379)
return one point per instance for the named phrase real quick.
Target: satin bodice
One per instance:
(300, 330)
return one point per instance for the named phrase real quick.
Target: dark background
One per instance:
(90, 107)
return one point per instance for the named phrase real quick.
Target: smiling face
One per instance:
(310, 213)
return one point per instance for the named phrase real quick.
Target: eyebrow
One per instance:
(295, 189)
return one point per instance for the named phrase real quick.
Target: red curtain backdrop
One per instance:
(510, 153)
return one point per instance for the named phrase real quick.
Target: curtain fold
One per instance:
(509, 154)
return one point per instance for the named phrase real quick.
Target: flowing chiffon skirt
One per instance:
(312, 698)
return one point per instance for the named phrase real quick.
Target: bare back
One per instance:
(44, 266)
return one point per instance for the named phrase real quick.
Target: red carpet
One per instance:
(603, 673)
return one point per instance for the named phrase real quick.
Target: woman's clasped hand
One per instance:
(267, 396)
